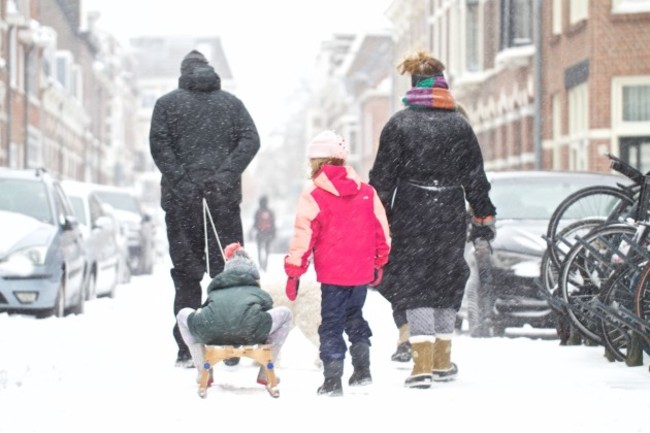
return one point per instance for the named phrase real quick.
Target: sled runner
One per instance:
(260, 353)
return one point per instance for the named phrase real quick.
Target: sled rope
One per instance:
(208, 215)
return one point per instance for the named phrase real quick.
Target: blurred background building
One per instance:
(550, 84)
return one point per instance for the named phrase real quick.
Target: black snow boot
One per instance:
(231, 362)
(360, 354)
(332, 370)
(360, 377)
(403, 352)
(331, 387)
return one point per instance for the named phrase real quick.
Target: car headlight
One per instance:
(22, 262)
(522, 265)
(35, 255)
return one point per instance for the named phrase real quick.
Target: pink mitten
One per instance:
(292, 288)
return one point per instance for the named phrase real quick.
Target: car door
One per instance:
(72, 245)
(102, 231)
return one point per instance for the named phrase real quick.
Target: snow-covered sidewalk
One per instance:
(111, 369)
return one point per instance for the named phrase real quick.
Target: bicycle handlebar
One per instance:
(625, 169)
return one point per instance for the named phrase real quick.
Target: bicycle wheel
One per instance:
(642, 301)
(561, 244)
(607, 203)
(618, 290)
(589, 262)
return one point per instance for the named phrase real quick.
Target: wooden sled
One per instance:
(260, 353)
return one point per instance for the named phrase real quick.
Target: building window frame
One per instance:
(557, 16)
(473, 36)
(630, 6)
(516, 23)
(620, 125)
(578, 115)
(578, 11)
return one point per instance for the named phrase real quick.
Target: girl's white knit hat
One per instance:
(327, 144)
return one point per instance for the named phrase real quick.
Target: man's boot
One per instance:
(332, 370)
(360, 354)
(403, 352)
(443, 369)
(422, 353)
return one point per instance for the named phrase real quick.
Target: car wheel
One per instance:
(59, 303)
(80, 305)
(115, 282)
(91, 286)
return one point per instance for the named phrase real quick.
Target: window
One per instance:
(631, 118)
(636, 103)
(472, 29)
(578, 126)
(516, 23)
(630, 6)
(556, 103)
(578, 10)
(64, 68)
(557, 16)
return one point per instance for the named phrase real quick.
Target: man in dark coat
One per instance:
(202, 138)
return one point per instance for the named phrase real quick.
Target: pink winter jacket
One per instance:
(343, 223)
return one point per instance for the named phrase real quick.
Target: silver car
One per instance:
(42, 259)
(101, 236)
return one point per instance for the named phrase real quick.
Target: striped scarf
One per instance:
(431, 92)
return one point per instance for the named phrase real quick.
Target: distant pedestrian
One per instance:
(428, 163)
(341, 222)
(202, 139)
(264, 228)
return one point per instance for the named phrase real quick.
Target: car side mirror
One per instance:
(146, 218)
(70, 222)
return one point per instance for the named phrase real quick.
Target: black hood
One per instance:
(201, 77)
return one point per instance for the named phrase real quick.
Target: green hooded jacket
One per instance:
(235, 312)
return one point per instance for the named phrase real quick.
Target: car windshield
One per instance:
(533, 198)
(120, 200)
(78, 208)
(28, 197)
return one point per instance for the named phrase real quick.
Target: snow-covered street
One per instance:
(112, 369)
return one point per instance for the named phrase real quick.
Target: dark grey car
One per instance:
(502, 290)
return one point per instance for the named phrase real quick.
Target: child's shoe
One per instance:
(360, 377)
(331, 387)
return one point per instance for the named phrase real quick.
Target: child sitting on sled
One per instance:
(236, 312)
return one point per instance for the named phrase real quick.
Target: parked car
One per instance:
(42, 258)
(525, 201)
(101, 232)
(138, 225)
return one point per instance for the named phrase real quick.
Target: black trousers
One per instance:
(186, 237)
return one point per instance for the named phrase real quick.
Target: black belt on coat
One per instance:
(432, 186)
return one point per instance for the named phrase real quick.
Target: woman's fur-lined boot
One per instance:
(443, 369)
(421, 375)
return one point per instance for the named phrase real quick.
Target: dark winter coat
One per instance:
(428, 162)
(235, 311)
(202, 138)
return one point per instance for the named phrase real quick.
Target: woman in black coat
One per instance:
(428, 163)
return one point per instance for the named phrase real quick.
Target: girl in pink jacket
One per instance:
(341, 224)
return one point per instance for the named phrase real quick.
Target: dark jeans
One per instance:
(342, 311)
